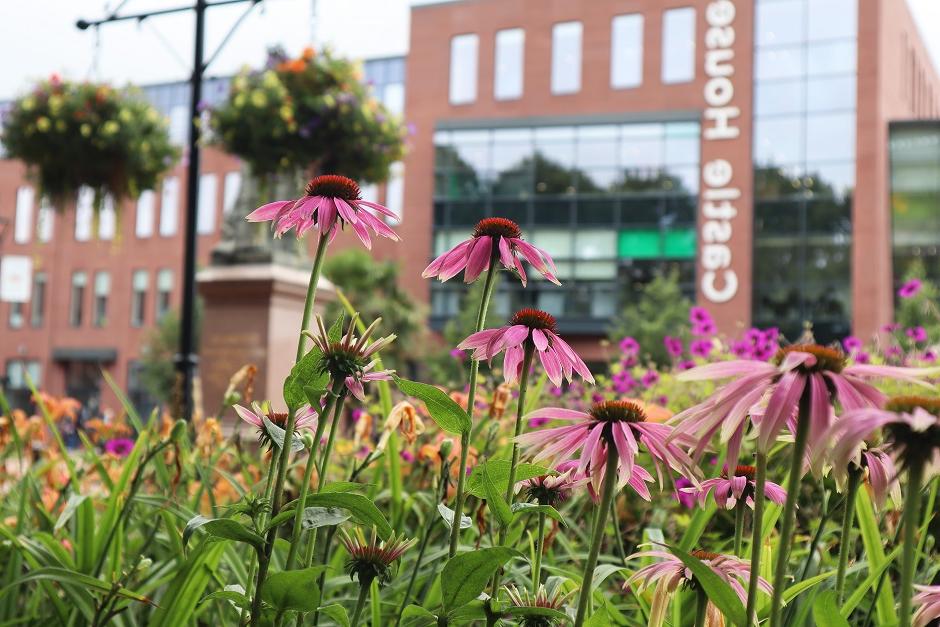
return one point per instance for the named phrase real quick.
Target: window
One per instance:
(139, 284)
(678, 45)
(46, 221)
(231, 187)
(107, 220)
(77, 304)
(395, 190)
(463, 69)
(20, 373)
(509, 64)
(16, 315)
(164, 292)
(205, 204)
(566, 58)
(179, 124)
(84, 213)
(393, 97)
(23, 228)
(626, 51)
(38, 308)
(145, 214)
(169, 206)
(102, 289)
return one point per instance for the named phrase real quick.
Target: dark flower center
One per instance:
(827, 359)
(497, 227)
(333, 186)
(534, 319)
(745, 471)
(279, 418)
(704, 555)
(907, 404)
(617, 411)
(538, 490)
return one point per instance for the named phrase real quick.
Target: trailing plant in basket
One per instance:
(72, 134)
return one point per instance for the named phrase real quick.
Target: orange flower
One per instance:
(308, 53)
(500, 400)
(654, 412)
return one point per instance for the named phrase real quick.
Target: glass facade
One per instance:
(915, 198)
(804, 164)
(612, 203)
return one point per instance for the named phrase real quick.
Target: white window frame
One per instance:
(509, 64)
(680, 52)
(626, 50)
(563, 35)
(206, 204)
(169, 206)
(464, 63)
(23, 225)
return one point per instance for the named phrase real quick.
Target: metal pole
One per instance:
(187, 359)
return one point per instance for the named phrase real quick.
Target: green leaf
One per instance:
(875, 552)
(523, 509)
(316, 517)
(277, 436)
(448, 515)
(498, 471)
(874, 574)
(64, 575)
(363, 510)
(466, 575)
(802, 586)
(417, 616)
(336, 612)
(444, 410)
(308, 372)
(344, 486)
(224, 528)
(826, 611)
(238, 599)
(293, 590)
(313, 395)
(544, 612)
(178, 603)
(74, 501)
(719, 592)
(494, 499)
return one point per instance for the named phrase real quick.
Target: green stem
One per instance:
(701, 606)
(539, 547)
(757, 523)
(334, 427)
(299, 510)
(789, 508)
(361, 603)
(845, 543)
(607, 495)
(488, 285)
(910, 519)
(264, 556)
(739, 525)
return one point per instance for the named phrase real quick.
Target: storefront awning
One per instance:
(99, 355)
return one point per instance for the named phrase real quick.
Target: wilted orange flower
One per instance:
(654, 412)
(308, 53)
(363, 431)
(403, 417)
(209, 436)
(500, 400)
(460, 398)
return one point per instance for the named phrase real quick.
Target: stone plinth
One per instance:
(252, 315)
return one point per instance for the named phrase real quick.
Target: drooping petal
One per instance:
(247, 415)
(479, 258)
(268, 211)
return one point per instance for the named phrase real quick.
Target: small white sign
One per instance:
(16, 278)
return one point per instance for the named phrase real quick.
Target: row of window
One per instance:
(626, 55)
(101, 293)
(147, 219)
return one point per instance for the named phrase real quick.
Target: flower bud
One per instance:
(445, 449)
(179, 430)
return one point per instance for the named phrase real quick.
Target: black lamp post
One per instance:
(186, 359)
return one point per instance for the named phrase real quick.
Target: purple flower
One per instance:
(917, 334)
(704, 328)
(929, 356)
(861, 357)
(555, 390)
(650, 378)
(356, 414)
(629, 361)
(629, 346)
(910, 288)
(851, 344)
(686, 364)
(662, 399)
(120, 447)
(891, 328)
(535, 423)
(623, 382)
(673, 346)
(699, 315)
(700, 348)
(407, 456)
(597, 398)
(684, 498)
(742, 348)
(458, 354)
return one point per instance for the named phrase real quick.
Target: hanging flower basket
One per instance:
(72, 135)
(312, 113)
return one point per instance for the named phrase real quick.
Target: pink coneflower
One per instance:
(492, 236)
(881, 476)
(681, 494)
(669, 573)
(928, 602)
(348, 359)
(369, 560)
(911, 429)
(530, 328)
(306, 418)
(730, 488)
(611, 427)
(781, 383)
(910, 288)
(329, 200)
(554, 489)
(119, 447)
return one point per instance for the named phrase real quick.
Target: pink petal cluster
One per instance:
(628, 429)
(306, 417)
(330, 201)
(779, 385)
(928, 601)
(728, 490)
(492, 236)
(528, 326)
